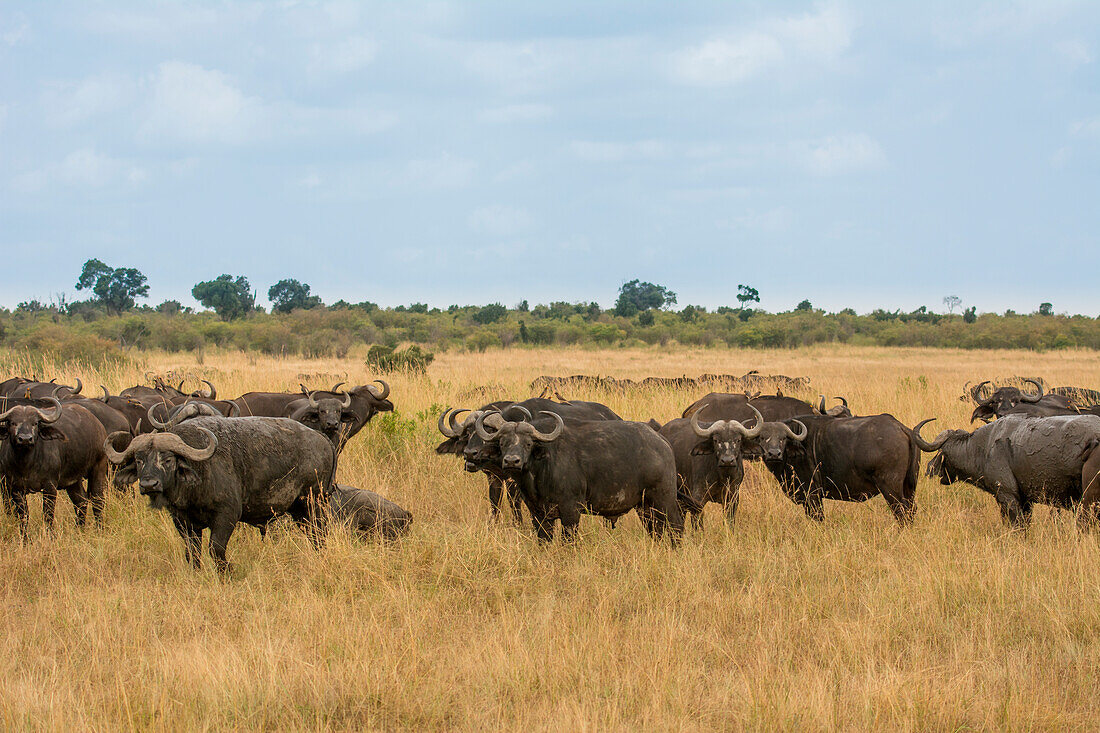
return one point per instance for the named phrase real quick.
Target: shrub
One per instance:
(411, 359)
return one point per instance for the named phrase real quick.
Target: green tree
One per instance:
(490, 313)
(116, 288)
(746, 295)
(805, 305)
(970, 314)
(229, 297)
(637, 296)
(287, 295)
(1046, 309)
(952, 302)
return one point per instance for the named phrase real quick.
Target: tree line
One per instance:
(111, 322)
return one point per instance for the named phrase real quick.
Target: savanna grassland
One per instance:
(776, 623)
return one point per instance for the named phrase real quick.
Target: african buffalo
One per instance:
(329, 416)
(1014, 401)
(49, 450)
(850, 459)
(727, 406)
(213, 472)
(708, 462)
(368, 513)
(1024, 461)
(135, 408)
(603, 467)
(366, 401)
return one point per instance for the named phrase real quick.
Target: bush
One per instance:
(384, 359)
(489, 314)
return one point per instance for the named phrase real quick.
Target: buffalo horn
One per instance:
(336, 387)
(795, 436)
(924, 445)
(755, 429)
(347, 400)
(213, 393)
(155, 422)
(479, 426)
(699, 429)
(553, 434)
(379, 395)
(1024, 397)
(55, 415)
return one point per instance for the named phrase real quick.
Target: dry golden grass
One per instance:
(777, 623)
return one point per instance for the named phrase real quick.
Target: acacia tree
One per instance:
(287, 295)
(115, 287)
(637, 296)
(230, 298)
(746, 295)
(952, 302)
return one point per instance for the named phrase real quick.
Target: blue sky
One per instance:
(856, 154)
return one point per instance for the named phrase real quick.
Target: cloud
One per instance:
(14, 28)
(69, 104)
(343, 56)
(1074, 51)
(516, 113)
(1088, 127)
(84, 168)
(737, 56)
(445, 171)
(189, 103)
(611, 152)
(840, 154)
(499, 220)
(310, 180)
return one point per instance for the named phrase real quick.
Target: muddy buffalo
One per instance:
(213, 472)
(367, 512)
(1013, 401)
(1025, 461)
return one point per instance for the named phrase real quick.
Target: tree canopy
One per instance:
(288, 294)
(116, 288)
(637, 296)
(230, 298)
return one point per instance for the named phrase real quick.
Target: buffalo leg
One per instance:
(49, 503)
(570, 516)
(97, 491)
(19, 505)
(515, 498)
(904, 507)
(667, 515)
(79, 498)
(733, 496)
(812, 504)
(221, 529)
(192, 539)
(496, 496)
(544, 525)
(1090, 494)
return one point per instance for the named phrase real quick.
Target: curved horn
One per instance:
(234, 409)
(115, 456)
(106, 395)
(479, 426)
(213, 392)
(821, 406)
(155, 422)
(336, 387)
(444, 428)
(312, 401)
(924, 445)
(699, 429)
(55, 415)
(1024, 397)
(347, 400)
(176, 444)
(4, 415)
(842, 401)
(379, 395)
(755, 429)
(553, 434)
(792, 434)
(526, 413)
(975, 391)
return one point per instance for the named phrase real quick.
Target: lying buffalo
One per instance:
(213, 472)
(708, 461)
(1014, 401)
(368, 513)
(603, 467)
(45, 451)
(1024, 461)
(850, 459)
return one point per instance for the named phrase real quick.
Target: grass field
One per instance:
(777, 623)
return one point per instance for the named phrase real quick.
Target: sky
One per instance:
(854, 154)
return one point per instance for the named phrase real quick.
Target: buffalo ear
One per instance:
(125, 475)
(49, 432)
(448, 446)
(705, 448)
(184, 470)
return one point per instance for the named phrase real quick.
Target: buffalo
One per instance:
(213, 472)
(366, 401)
(45, 451)
(1013, 401)
(603, 467)
(726, 406)
(850, 459)
(708, 461)
(1025, 461)
(330, 416)
(367, 513)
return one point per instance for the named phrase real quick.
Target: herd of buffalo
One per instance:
(213, 463)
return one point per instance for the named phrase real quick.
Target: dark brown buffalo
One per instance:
(850, 459)
(136, 408)
(1014, 401)
(32, 390)
(729, 406)
(330, 416)
(46, 450)
(366, 401)
(708, 461)
(1024, 461)
(213, 472)
(225, 408)
(603, 467)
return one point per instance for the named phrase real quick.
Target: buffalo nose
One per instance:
(24, 439)
(727, 462)
(149, 485)
(512, 461)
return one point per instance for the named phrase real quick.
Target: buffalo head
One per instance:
(722, 438)
(24, 425)
(840, 410)
(1002, 400)
(161, 463)
(517, 440)
(771, 443)
(327, 414)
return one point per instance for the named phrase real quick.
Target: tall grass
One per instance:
(775, 623)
